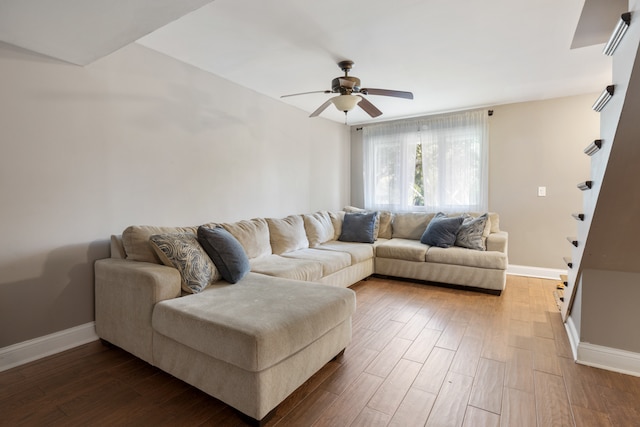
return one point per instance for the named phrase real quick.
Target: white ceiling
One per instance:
(81, 31)
(451, 54)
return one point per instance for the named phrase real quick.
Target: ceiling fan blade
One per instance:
(368, 107)
(306, 93)
(321, 108)
(387, 92)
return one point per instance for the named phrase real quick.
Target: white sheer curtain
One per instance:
(455, 161)
(452, 174)
(389, 152)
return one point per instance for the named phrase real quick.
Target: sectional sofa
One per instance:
(252, 321)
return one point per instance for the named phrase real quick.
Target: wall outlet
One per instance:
(542, 191)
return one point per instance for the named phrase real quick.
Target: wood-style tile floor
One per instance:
(420, 355)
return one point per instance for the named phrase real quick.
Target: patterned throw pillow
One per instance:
(441, 231)
(182, 251)
(470, 234)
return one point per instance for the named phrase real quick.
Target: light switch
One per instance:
(542, 191)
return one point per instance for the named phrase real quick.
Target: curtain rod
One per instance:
(490, 112)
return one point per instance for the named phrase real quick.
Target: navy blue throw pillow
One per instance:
(442, 231)
(358, 227)
(225, 251)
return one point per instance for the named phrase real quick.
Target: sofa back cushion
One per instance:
(386, 221)
(135, 240)
(410, 225)
(319, 228)
(253, 235)
(494, 220)
(337, 218)
(287, 234)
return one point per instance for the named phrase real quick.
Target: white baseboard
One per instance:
(539, 272)
(37, 348)
(574, 338)
(612, 359)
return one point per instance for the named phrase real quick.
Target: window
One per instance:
(436, 163)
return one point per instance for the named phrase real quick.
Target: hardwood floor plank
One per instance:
(441, 318)
(452, 335)
(381, 338)
(544, 356)
(355, 363)
(422, 346)
(384, 363)
(486, 392)
(159, 388)
(434, 370)
(563, 346)
(519, 370)
(622, 406)
(417, 323)
(580, 390)
(475, 417)
(414, 409)
(542, 328)
(518, 409)
(407, 312)
(467, 357)
(371, 418)
(379, 322)
(520, 334)
(590, 418)
(552, 402)
(496, 344)
(303, 392)
(390, 394)
(309, 410)
(451, 403)
(344, 410)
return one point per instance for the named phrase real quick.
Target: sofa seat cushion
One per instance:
(468, 257)
(331, 261)
(405, 249)
(225, 322)
(359, 251)
(288, 268)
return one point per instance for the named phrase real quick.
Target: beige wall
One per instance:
(540, 144)
(609, 314)
(532, 144)
(136, 138)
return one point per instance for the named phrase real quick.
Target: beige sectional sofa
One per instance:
(252, 343)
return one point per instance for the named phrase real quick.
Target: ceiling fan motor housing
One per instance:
(337, 87)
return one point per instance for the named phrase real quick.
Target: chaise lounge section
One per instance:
(253, 342)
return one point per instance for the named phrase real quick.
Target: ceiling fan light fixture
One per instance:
(345, 102)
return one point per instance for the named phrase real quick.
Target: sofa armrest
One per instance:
(125, 295)
(498, 242)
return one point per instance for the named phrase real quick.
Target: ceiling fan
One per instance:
(351, 93)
